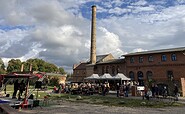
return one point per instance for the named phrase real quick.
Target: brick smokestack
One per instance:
(93, 37)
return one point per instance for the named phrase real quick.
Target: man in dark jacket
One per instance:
(16, 88)
(176, 92)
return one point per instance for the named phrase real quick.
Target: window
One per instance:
(131, 59)
(150, 58)
(149, 75)
(103, 70)
(131, 75)
(118, 69)
(173, 57)
(163, 57)
(107, 69)
(140, 78)
(113, 70)
(170, 75)
(140, 59)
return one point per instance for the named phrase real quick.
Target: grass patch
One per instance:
(114, 101)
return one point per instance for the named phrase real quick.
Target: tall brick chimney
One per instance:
(93, 36)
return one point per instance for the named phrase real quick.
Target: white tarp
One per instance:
(121, 76)
(93, 77)
(106, 76)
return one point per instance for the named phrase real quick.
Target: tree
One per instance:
(62, 71)
(14, 65)
(2, 67)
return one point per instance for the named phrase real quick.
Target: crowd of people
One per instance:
(92, 88)
(100, 88)
(83, 88)
(123, 89)
(153, 92)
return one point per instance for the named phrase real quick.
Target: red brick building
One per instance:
(158, 65)
(166, 67)
(104, 64)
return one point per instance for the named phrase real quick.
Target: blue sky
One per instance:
(58, 31)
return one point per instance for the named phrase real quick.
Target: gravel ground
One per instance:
(65, 107)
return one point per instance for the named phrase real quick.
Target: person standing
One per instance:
(176, 92)
(16, 88)
(117, 89)
(21, 88)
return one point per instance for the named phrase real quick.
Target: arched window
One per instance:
(173, 57)
(107, 69)
(113, 70)
(149, 75)
(118, 69)
(131, 75)
(140, 78)
(170, 75)
(103, 70)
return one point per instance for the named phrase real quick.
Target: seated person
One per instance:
(55, 89)
(148, 94)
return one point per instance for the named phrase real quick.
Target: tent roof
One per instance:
(121, 76)
(93, 76)
(106, 76)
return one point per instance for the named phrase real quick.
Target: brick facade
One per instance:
(160, 67)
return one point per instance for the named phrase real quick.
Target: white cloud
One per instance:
(108, 42)
(139, 3)
(119, 11)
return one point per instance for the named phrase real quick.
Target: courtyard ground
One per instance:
(66, 107)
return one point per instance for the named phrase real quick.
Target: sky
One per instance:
(58, 31)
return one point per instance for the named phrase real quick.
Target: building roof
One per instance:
(112, 61)
(81, 66)
(99, 58)
(157, 51)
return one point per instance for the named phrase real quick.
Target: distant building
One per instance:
(104, 64)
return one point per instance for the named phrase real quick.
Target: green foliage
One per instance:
(14, 65)
(42, 66)
(2, 67)
(61, 70)
(53, 81)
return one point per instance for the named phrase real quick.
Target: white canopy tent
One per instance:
(106, 76)
(93, 77)
(121, 76)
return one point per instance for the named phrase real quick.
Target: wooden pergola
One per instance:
(15, 75)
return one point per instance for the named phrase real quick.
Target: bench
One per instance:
(6, 109)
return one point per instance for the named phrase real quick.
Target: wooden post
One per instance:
(183, 86)
(26, 93)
